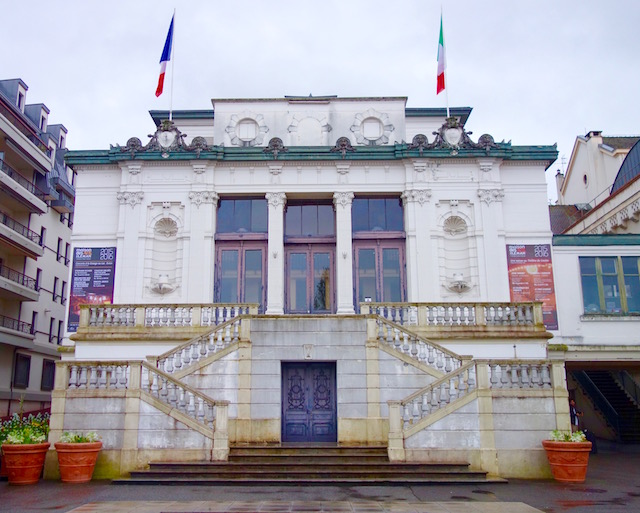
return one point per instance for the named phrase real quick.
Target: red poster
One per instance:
(531, 278)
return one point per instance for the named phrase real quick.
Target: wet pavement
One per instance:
(612, 486)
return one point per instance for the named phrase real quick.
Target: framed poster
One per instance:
(531, 278)
(92, 277)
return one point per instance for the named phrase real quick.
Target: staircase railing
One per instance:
(628, 385)
(202, 346)
(599, 400)
(458, 314)
(417, 347)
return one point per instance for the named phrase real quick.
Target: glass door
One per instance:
(309, 279)
(379, 271)
(241, 274)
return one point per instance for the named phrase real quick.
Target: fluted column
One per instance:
(344, 253)
(275, 266)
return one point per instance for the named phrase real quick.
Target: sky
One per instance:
(535, 73)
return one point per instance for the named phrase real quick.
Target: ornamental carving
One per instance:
(343, 199)
(343, 145)
(453, 136)
(275, 147)
(419, 142)
(166, 227)
(200, 197)
(166, 139)
(246, 129)
(372, 127)
(130, 198)
(455, 225)
(420, 196)
(276, 199)
(490, 195)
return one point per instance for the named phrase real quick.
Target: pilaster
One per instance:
(344, 252)
(488, 455)
(275, 265)
(416, 225)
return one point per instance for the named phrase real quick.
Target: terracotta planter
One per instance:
(77, 460)
(24, 462)
(568, 460)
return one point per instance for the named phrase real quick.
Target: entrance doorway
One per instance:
(309, 403)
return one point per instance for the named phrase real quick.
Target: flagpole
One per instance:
(446, 88)
(173, 62)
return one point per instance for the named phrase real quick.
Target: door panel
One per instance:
(309, 404)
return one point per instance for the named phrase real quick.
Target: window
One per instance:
(59, 250)
(377, 214)
(48, 375)
(60, 331)
(242, 216)
(70, 218)
(240, 273)
(34, 322)
(52, 323)
(67, 248)
(54, 292)
(43, 123)
(21, 370)
(63, 293)
(21, 101)
(309, 221)
(61, 141)
(43, 236)
(610, 285)
(38, 277)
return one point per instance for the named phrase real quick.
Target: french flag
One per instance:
(166, 57)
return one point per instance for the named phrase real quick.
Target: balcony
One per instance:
(62, 205)
(19, 237)
(21, 189)
(15, 285)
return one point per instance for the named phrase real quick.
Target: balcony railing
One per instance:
(19, 227)
(15, 325)
(17, 277)
(18, 178)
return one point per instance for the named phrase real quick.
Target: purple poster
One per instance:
(91, 280)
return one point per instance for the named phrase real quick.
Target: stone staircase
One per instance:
(306, 465)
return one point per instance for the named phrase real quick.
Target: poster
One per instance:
(91, 280)
(531, 278)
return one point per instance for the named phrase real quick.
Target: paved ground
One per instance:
(612, 486)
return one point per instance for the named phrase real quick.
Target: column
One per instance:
(344, 253)
(275, 266)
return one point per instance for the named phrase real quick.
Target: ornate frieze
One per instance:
(130, 198)
(276, 199)
(343, 199)
(200, 197)
(420, 196)
(490, 195)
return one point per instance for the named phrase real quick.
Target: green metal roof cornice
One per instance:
(621, 239)
(503, 151)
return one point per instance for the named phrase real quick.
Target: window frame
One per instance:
(24, 359)
(600, 276)
(47, 379)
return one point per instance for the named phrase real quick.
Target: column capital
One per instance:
(490, 195)
(130, 198)
(343, 198)
(200, 197)
(421, 196)
(276, 199)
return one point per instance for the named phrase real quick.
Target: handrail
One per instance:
(18, 277)
(19, 227)
(14, 324)
(18, 178)
(629, 385)
(201, 347)
(417, 347)
(599, 400)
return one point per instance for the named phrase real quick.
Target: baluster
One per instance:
(444, 393)
(430, 316)
(186, 358)
(447, 367)
(181, 399)
(163, 392)
(503, 376)
(431, 358)
(236, 329)
(463, 385)
(83, 377)
(154, 388)
(195, 354)
(528, 314)
(472, 378)
(102, 377)
(92, 316)
(546, 376)
(202, 343)
(526, 383)
(425, 404)
(227, 334)
(416, 410)
(93, 377)
(177, 361)
(113, 379)
(414, 347)
(440, 315)
(122, 381)
(380, 332)
(453, 390)
(172, 398)
(405, 343)
(396, 339)
(422, 356)
(211, 346)
(220, 343)
(434, 399)
(406, 417)
(73, 376)
(535, 376)
(200, 410)
(515, 378)
(439, 362)
(493, 369)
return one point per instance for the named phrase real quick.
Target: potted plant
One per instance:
(77, 455)
(24, 447)
(568, 455)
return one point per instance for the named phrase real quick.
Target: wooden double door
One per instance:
(309, 402)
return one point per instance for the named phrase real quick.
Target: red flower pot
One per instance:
(77, 460)
(24, 462)
(568, 460)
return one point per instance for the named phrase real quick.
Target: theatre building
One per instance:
(299, 270)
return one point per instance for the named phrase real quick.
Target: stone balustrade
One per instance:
(200, 347)
(458, 314)
(419, 348)
(155, 316)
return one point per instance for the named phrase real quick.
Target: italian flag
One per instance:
(442, 60)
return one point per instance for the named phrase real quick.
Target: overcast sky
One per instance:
(538, 72)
